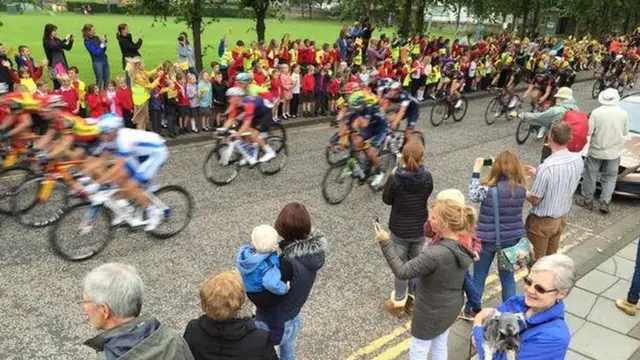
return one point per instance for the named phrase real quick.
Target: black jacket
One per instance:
(238, 339)
(6, 84)
(55, 45)
(128, 48)
(408, 193)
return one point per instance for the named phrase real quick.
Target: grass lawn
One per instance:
(159, 41)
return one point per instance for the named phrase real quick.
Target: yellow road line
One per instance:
(400, 348)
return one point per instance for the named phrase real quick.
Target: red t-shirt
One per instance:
(334, 56)
(334, 87)
(95, 105)
(455, 50)
(259, 78)
(276, 87)
(124, 98)
(71, 97)
(308, 82)
(183, 99)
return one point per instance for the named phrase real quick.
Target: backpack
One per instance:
(579, 123)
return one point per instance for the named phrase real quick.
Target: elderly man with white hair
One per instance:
(112, 300)
(608, 125)
(547, 285)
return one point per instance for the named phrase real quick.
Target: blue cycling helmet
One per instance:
(244, 77)
(108, 123)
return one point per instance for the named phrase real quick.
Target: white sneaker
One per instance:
(154, 218)
(269, 154)
(376, 180)
(541, 132)
(85, 227)
(458, 103)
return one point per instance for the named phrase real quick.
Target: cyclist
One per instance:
(139, 155)
(369, 127)
(254, 116)
(15, 114)
(454, 78)
(540, 90)
(408, 108)
(244, 81)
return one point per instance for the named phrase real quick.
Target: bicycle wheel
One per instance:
(439, 112)
(276, 129)
(339, 175)
(460, 111)
(39, 201)
(598, 85)
(493, 111)
(10, 179)
(81, 232)
(523, 132)
(179, 206)
(276, 164)
(387, 163)
(336, 153)
(215, 171)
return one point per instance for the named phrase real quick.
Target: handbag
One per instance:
(514, 257)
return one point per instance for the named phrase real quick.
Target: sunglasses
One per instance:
(538, 288)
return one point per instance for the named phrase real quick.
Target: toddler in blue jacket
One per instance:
(259, 266)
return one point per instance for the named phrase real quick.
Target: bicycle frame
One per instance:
(16, 148)
(106, 199)
(53, 173)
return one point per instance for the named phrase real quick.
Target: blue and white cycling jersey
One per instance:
(144, 152)
(406, 100)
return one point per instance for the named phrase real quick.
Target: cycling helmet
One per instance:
(53, 101)
(18, 102)
(395, 85)
(108, 123)
(553, 53)
(235, 91)
(357, 100)
(243, 78)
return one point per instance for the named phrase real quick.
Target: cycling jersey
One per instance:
(376, 130)
(144, 152)
(83, 130)
(541, 83)
(412, 109)
(253, 111)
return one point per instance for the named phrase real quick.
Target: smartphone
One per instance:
(378, 220)
(487, 162)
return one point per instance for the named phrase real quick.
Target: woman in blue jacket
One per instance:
(545, 334)
(97, 48)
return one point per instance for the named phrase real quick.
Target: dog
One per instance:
(502, 334)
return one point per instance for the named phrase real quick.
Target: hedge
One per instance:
(101, 8)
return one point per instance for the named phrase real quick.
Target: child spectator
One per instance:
(125, 102)
(205, 92)
(95, 102)
(43, 87)
(24, 59)
(156, 103)
(113, 106)
(194, 101)
(259, 75)
(276, 93)
(308, 88)
(322, 80)
(287, 88)
(259, 266)
(183, 103)
(295, 90)
(219, 89)
(80, 87)
(25, 80)
(69, 94)
(471, 74)
(171, 108)
(334, 92)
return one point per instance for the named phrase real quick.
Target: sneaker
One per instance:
(467, 314)
(584, 203)
(376, 180)
(541, 132)
(154, 218)
(458, 103)
(626, 307)
(269, 154)
(604, 207)
(85, 227)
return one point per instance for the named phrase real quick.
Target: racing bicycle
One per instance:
(499, 106)
(443, 109)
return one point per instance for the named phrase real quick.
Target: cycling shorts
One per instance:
(92, 148)
(374, 135)
(411, 115)
(144, 169)
(262, 122)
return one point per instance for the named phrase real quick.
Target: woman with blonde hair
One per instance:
(508, 180)
(141, 88)
(407, 191)
(222, 331)
(441, 269)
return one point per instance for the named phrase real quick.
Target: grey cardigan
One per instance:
(441, 269)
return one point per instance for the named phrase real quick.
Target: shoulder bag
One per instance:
(514, 257)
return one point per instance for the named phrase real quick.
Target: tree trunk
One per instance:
(405, 20)
(419, 19)
(536, 20)
(627, 22)
(525, 17)
(310, 9)
(458, 14)
(261, 13)
(196, 27)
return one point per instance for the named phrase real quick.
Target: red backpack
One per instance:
(579, 123)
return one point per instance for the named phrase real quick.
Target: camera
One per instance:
(487, 162)
(180, 38)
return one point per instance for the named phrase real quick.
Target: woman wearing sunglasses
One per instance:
(546, 334)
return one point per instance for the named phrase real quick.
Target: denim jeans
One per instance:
(634, 290)
(289, 337)
(481, 271)
(420, 348)
(474, 297)
(608, 170)
(101, 70)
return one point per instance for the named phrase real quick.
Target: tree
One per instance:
(189, 12)
(260, 9)
(405, 18)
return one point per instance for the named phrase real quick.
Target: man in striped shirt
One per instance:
(556, 179)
